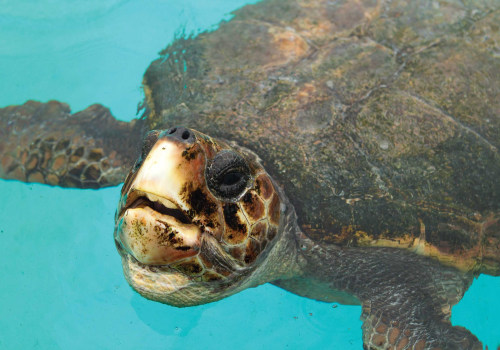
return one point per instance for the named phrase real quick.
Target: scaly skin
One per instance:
(45, 143)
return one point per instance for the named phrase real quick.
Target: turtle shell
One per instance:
(381, 120)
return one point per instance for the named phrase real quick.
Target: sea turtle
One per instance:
(352, 157)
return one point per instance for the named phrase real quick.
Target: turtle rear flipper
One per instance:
(45, 143)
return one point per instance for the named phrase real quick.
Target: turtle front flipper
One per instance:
(456, 337)
(395, 324)
(406, 298)
(411, 307)
(45, 143)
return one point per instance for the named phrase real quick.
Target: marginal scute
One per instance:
(379, 120)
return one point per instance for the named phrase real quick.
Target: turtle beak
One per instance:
(153, 224)
(165, 171)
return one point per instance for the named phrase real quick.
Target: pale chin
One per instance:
(167, 286)
(146, 278)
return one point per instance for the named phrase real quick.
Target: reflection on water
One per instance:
(62, 285)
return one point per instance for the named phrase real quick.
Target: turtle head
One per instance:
(197, 219)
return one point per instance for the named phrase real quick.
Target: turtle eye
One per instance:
(148, 141)
(227, 175)
(232, 178)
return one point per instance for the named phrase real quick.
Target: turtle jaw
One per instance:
(155, 231)
(152, 222)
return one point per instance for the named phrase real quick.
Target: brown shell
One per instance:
(380, 119)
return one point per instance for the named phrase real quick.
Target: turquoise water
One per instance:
(61, 285)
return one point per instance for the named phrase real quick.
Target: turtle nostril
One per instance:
(181, 134)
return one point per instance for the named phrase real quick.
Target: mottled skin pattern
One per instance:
(180, 242)
(44, 142)
(381, 121)
(244, 227)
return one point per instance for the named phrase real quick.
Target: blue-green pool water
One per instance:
(61, 285)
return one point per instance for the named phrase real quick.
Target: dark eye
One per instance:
(231, 178)
(227, 175)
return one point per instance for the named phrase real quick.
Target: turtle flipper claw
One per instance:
(45, 143)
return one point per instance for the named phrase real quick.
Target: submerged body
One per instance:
(362, 166)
